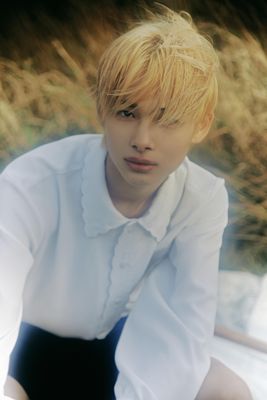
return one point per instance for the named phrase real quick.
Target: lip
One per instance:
(140, 164)
(141, 161)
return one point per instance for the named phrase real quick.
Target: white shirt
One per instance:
(71, 264)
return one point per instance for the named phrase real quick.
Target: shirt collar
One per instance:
(99, 213)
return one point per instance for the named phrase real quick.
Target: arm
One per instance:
(163, 352)
(15, 262)
(241, 338)
(15, 390)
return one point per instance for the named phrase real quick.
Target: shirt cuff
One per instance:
(7, 342)
(123, 390)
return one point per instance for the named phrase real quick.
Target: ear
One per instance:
(203, 127)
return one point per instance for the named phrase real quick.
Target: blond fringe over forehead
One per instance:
(164, 61)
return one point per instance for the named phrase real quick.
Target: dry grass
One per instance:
(47, 95)
(237, 146)
(35, 106)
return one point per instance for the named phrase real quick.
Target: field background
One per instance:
(48, 59)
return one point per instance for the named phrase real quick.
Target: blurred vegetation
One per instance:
(48, 62)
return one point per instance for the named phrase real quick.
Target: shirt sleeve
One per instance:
(163, 352)
(17, 218)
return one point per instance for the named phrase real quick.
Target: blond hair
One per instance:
(164, 59)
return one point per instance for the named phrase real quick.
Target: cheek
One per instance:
(177, 149)
(109, 136)
(176, 154)
(113, 144)
(116, 139)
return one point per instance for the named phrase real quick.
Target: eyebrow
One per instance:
(162, 110)
(132, 106)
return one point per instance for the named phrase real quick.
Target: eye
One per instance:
(126, 114)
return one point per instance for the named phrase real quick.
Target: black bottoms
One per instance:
(53, 368)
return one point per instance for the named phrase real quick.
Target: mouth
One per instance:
(140, 165)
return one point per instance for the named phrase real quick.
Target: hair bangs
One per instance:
(167, 63)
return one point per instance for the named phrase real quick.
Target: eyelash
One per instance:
(126, 114)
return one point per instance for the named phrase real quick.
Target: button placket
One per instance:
(129, 263)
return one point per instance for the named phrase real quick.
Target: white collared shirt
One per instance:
(71, 264)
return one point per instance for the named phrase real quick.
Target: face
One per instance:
(142, 153)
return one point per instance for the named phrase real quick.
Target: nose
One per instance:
(142, 139)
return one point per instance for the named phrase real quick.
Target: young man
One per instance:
(96, 228)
